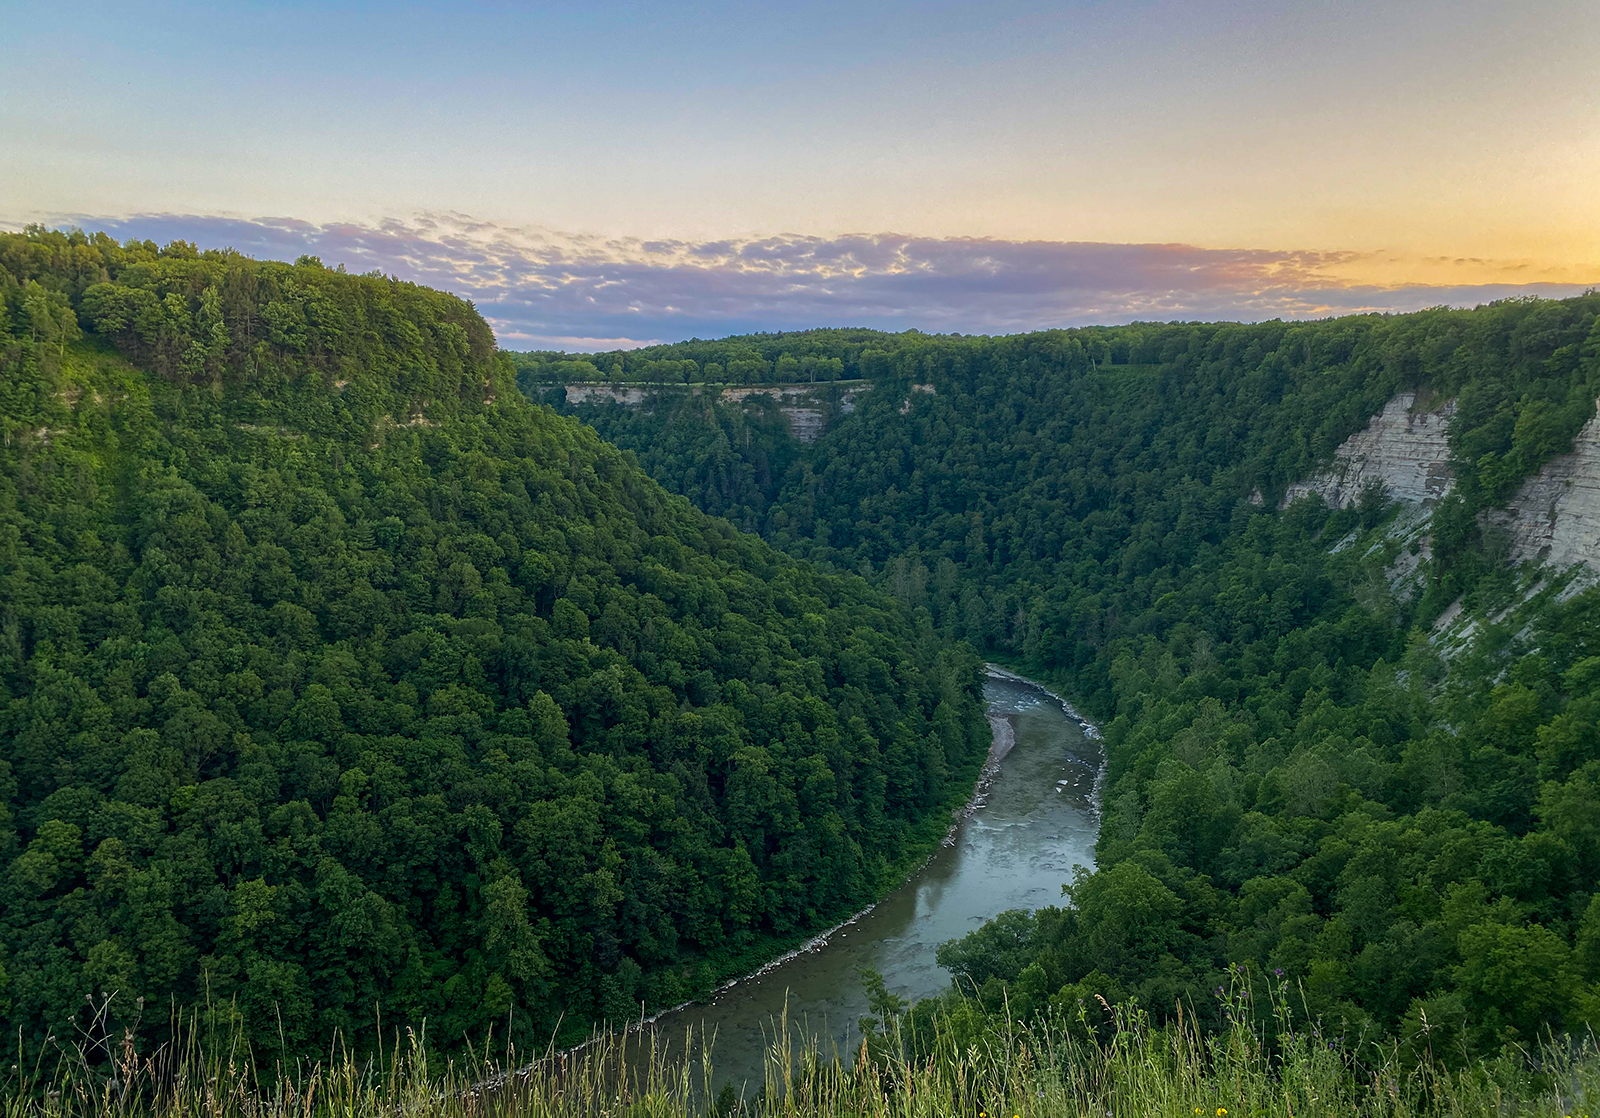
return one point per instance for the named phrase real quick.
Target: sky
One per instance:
(613, 173)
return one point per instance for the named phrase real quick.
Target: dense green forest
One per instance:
(341, 685)
(812, 356)
(1298, 781)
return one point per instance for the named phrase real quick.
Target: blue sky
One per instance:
(1418, 152)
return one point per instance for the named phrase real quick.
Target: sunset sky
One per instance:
(613, 173)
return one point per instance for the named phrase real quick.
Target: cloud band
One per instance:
(546, 290)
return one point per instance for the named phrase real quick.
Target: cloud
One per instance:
(545, 289)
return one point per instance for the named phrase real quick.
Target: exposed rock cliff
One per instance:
(627, 395)
(1553, 520)
(1403, 448)
(804, 406)
(1555, 516)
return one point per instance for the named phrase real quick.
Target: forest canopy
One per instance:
(1299, 781)
(339, 684)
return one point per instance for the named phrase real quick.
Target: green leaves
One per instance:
(1295, 778)
(335, 678)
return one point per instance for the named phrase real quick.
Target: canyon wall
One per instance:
(804, 406)
(628, 395)
(1555, 516)
(1403, 448)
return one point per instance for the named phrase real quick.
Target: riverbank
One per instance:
(1029, 821)
(1090, 730)
(1032, 817)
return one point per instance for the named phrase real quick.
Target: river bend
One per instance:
(1033, 825)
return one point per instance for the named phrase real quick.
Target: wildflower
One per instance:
(1221, 1111)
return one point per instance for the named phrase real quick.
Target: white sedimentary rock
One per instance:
(1403, 448)
(1555, 516)
(801, 404)
(627, 395)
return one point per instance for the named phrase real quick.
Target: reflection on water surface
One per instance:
(1016, 850)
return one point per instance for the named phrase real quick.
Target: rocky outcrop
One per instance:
(1553, 520)
(626, 394)
(1403, 448)
(804, 406)
(1555, 516)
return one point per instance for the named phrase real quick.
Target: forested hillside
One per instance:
(811, 356)
(1297, 780)
(339, 684)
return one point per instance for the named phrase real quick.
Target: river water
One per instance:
(1035, 823)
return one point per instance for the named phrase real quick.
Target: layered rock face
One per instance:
(1555, 516)
(1405, 449)
(1553, 519)
(627, 395)
(804, 406)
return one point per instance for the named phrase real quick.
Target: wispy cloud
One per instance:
(544, 289)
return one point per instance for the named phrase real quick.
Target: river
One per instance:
(1035, 823)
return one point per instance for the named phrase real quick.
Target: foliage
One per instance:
(808, 356)
(1295, 779)
(339, 685)
(729, 459)
(955, 1063)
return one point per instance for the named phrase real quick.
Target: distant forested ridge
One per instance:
(1299, 781)
(339, 684)
(810, 356)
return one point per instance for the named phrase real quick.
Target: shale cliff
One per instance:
(805, 407)
(1403, 448)
(1554, 517)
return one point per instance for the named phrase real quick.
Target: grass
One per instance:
(1126, 1067)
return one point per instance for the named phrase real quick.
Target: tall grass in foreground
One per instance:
(1135, 1069)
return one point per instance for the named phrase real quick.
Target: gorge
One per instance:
(340, 674)
(1031, 827)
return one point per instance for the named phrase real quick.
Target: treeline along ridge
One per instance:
(1300, 781)
(338, 677)
(341, 687)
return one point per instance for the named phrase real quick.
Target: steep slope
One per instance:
(1554, 516)
(1296, 781)
(1404, 450)
(341, 684)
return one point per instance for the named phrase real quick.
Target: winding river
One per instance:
(1033, 824)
